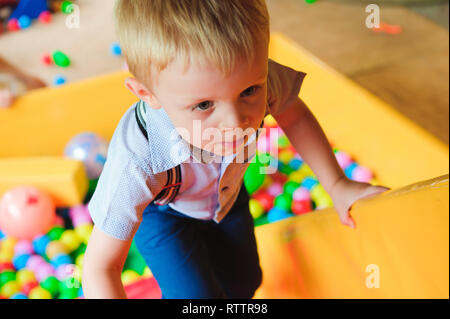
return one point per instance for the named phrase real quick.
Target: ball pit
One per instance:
(292, 189)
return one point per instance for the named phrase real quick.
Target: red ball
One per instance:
(265, 199)
(45, 17)
(47, 59)
(13, 25)
(301, 207)
(6, 266)
(29, 286)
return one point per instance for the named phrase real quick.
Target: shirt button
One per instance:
(224, 189)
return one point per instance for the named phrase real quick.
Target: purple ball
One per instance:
(34, 262)
(275, 189)
(23, 247)
(343, 159)
(362, 174)
(301, 193)
(44, 271)
(81, 220)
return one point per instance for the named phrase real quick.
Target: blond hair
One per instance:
(153, 33)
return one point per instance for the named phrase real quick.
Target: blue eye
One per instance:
(204, 106)
(250, 91)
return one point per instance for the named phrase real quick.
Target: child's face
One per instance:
(211, 111)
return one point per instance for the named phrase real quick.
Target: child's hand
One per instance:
(345, 192)
(6, 97)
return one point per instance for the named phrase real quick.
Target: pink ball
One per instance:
(26, 212)
(263, 144)
(300, 194)
(275, 189)
(44, 271)
(343, 159)
(23, 247)
(81, 220)
(362, 174)
(35, 262)
(65, 271)
(80, 210)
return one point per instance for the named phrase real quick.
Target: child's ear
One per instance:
(139, 89)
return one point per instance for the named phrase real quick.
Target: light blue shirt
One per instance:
(135, 169)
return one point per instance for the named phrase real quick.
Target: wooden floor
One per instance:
(410, 70)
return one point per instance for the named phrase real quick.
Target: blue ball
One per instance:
(309, 182)
(40, 244)
(295, 163)
(61, 259)
(24, 22)
(19, 295)
(2, 235)
(277, 213)
(59, 80)
(116, 49)
(20, 261)
(349, 170)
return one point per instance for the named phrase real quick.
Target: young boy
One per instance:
(204, 80)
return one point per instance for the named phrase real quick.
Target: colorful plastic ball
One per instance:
(23, 247)
(6, 266)
(20, 261)
(70, 239)
(256, 208)
(61, 59)
(349, 170)
(13, 25)
(275, 189)
(91, 150)
(264, 199)
(25, 276)
(301, 207)
(6, 256)
(19, 295)
(55, 248)
(306, 170)
(263, 144)
(290, 187)
(39, 293)
(69, 292)
(270, 121)
(26, 288)
(46, 59)
(2, 235)
(10, 288)
(84, 232)
(52, 285)
(61, 259)
(67, 7)
(66, 271)
(253, 178)
(276, 214)
(286, 156)
(283, 201)
(79, 261)
(115, 49)
(343, 159)
(45, 17)
(59, 80)
(44, 271)
(55, 233)
(283, 141)
(34, 262)
(362, 174)
(130, 276)
(309, 182)
(7, 276)
(295, 163)
(8, 245)
(40, 244)
(26, 212)
(301, 193)
(24, 22)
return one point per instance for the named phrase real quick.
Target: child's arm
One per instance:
(308, 138)
(102, 266)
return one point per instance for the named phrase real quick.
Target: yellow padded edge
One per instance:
(64, 179)
(402, 234)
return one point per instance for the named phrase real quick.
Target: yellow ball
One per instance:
(39, 293)
(297, 176)
(84, 232)
(286, 156)
(306, 170)
(8, 244)
(130, 276)
(256, 208)
(79, 261)
(70, 239)
(6, 256)
(56, 247)
(270, 121)
(25, 276)
(9, 289)
(147, 272)
(318, 192)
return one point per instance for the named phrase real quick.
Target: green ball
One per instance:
(284, 168)
(52, 285)
(290, 187)
(66, 7)
(283, 141)
(7, 276)
(253, 179)
(283, 201)
(70, 292)
(61, 59)
(55, 233)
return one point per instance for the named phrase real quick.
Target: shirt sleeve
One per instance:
(283, 86)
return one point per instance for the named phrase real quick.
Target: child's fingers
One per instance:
(6, 98)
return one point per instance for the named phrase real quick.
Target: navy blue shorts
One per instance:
(198, 259)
